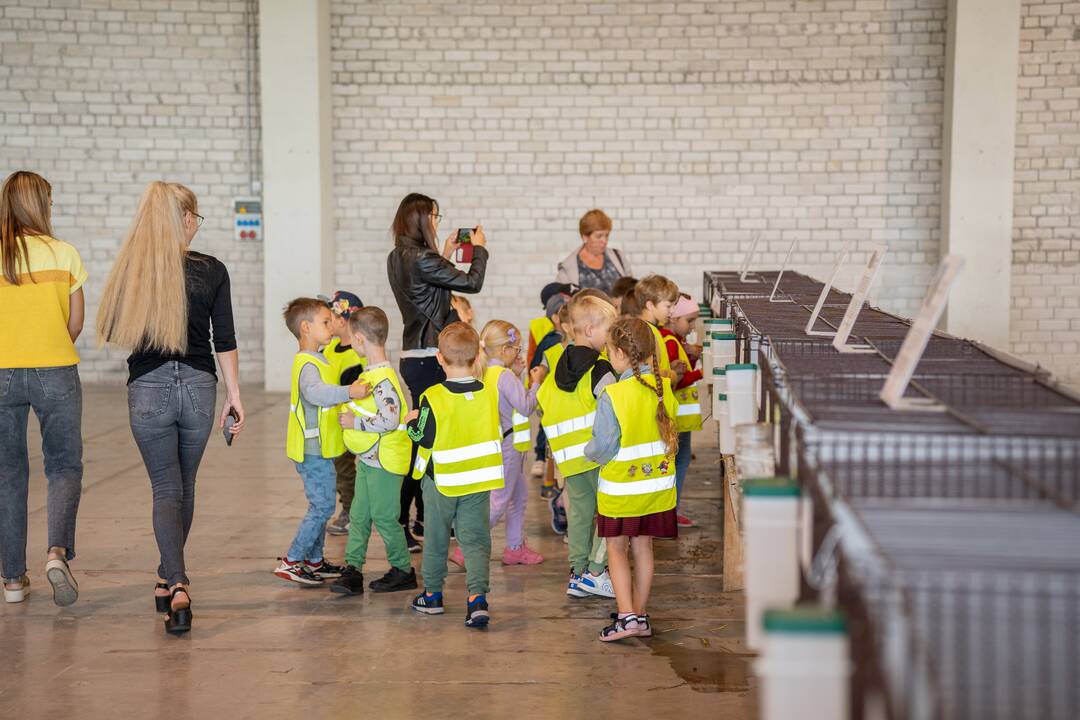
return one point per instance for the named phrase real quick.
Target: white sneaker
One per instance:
(573, 589)
(65, 589)
(597, 584)
(538, 468)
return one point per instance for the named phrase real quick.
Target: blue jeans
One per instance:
(320, 484)
(682, 462)
(55, 395)
(171, 411)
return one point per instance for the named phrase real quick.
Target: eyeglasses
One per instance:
(436, 217)
(199, 219)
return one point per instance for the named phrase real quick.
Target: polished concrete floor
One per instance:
(263, 649)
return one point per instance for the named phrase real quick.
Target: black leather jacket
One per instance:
(422, 281)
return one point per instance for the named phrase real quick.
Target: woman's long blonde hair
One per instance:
(144, 305)
(24, 211)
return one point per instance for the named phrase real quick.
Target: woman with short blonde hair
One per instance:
(41, 315)
(162, 301)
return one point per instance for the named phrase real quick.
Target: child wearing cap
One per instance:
(683, 315)
(347, 366)
(543, 335)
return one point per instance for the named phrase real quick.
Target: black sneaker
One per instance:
(412, 543)
(476, 613)
(394, 580)
(351, 582)
(428, 604)
(418, 528)
(324, 569)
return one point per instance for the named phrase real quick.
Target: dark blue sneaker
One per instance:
(476, 613)
(428, 603)
(558, 514)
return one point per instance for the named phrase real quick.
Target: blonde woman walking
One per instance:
(41, 315)
(164, 302)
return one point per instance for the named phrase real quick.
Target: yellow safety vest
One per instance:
(395, 448)
(689, 417)
(326, 428)
(568, 419)
(661, 354)
(640, 480)
(520, 422)
(467, 453)
(339, 363)
(553, 354)
(538, 330)
(540, 327)
(342, 361)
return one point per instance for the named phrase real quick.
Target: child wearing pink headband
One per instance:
(682, 317)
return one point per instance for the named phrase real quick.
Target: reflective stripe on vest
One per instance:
(694, 409)
(640, 479)
(636, 487)
(571, 425)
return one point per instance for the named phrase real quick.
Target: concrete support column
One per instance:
(294, 73)
(982, 55)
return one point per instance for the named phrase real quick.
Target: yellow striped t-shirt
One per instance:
(34, 314)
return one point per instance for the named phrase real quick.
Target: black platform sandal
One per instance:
(179, 620)
(161, 602)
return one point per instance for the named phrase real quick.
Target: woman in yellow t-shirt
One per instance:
(41, 315)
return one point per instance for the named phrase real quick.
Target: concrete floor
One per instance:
(262, 648)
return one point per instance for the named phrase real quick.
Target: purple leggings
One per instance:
(511, 498)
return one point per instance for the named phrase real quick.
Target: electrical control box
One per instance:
(247, 225)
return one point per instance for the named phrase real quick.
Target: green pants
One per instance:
(377, 500)
(345, 467)
(586, 549)
(469, 516)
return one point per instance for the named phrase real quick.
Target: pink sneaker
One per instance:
(523, 555)
(684, 521)
(457, 557)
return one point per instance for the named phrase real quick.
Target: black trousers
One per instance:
(419, 374)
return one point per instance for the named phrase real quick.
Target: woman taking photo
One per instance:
(41, 315)
(422, 279)
(593, 265)
(162, 301)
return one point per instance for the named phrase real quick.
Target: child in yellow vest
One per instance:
(459, 462)
(568, 401)
(634, 440)
(314, 438)
(347, 364)
(655, 296)
(374, 430)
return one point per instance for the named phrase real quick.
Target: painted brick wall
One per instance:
(1046, 228)
(103, 96)
(694, 124)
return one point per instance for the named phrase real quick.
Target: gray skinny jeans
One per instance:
(172, 413)
(55, 395)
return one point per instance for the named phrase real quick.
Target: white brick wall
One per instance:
(103, 96)
(694, 124)
(1046, 227)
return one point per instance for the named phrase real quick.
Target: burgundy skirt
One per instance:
(661, 525)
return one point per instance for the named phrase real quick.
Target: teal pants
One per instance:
(587, 550)
(469, 514)
(376, 501)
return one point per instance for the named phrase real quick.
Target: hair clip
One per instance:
(512, 333)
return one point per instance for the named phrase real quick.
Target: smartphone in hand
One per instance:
(464, 253)
(230, 420)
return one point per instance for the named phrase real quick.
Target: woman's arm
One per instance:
(221, 320)
(76, 314)
(436, 270)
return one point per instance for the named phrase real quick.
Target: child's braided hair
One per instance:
(635, 338)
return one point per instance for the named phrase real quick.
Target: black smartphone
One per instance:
(465, 252)
(230, 420)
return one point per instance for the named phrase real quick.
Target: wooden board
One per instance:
(733, 543)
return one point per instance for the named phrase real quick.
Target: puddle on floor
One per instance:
(702, 665)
